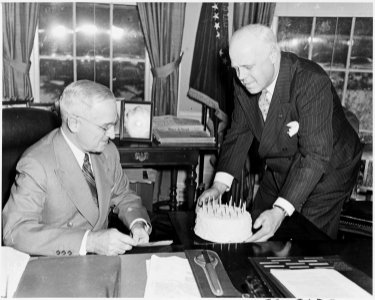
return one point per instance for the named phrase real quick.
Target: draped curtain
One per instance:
(163, 25)
(252, 13)
(19, 25)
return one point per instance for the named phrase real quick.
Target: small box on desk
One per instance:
(142, 182)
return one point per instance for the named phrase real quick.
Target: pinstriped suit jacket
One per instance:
(325, 144)
(51, 206)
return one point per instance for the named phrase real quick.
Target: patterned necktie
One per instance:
(87, 172)
(264, 103)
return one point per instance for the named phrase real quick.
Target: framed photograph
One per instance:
(136, 121)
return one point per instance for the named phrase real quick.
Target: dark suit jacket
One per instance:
(325, 145)
(51, 206)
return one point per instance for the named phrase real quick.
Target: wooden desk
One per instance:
(235, 259)
(171, 156)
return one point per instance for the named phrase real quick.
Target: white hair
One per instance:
(79, 97)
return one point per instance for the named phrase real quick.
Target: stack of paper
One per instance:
(319, 283)
(171, 129)
(170, 277)
(13, 264)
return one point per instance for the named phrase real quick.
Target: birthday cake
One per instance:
(221, 223)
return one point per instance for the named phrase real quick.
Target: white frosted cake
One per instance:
(221, 223)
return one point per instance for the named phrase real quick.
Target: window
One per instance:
(343, 47)
(99, 42)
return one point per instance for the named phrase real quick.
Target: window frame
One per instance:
(35, 57)
(325, 10)
(347, 68)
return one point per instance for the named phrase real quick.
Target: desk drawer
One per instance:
(159, 158)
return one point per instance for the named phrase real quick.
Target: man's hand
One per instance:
(211, 194)
(139, 233)
(269, 221)
(109, 242)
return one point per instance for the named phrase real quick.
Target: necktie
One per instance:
(87, 172)
(264, 103)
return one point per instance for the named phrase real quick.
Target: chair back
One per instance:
(22, 127)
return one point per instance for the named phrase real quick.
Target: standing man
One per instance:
(68, 182)
(290, 106)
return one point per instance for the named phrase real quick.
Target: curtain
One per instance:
(252, 13)
(163, 25)
(19, 25)
(211, 78)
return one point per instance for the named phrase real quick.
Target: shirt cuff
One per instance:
(224, 178)
(147, 226)
(286, 205)
(82, 250)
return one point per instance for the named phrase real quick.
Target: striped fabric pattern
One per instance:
(264, 103)
(87, 172)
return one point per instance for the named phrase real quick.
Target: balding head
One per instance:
(255, 55)
(255, 35)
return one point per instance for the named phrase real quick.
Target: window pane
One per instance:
(55, 29)
(93, 29)
(85, 29)
(128, 80)
(338, 79)
(95, 70)
(359, 98)
(85, 69)
(102, 37)
(54, 76)
(361, 57)
(102, 72)
(128, 40)
(330, 44)
(294, 34)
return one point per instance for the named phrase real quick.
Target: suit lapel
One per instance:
(278, 109)
(249, 104)
(103, 186)
(74, 183)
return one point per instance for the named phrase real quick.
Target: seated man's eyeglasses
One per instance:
(105, 129)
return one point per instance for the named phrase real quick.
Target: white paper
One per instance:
(13, 264)
(170, 277)
(321, 283)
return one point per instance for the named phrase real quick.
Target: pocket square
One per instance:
(293, 128)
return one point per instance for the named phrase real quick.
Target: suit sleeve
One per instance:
(23, 226)
(127, 204)
(315, 138)
(237, 141)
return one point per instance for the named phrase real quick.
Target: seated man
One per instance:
(68, 182)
